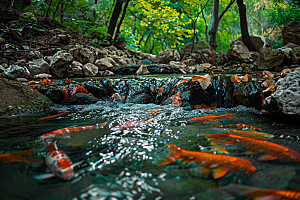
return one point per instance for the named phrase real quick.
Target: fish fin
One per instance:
(43, 176)
(266, 157)
(174, 154)
(48, 170)
(218, 173)
(77, 163)
(204, 170)
(250, 152)
(186, 161)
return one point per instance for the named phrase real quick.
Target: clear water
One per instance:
(121, 164)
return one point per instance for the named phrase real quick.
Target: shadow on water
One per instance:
(121, 164)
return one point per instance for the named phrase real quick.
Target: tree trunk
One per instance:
(244, 28)
(114, 18)
(214, 25)
(206, 27)
(121, 21)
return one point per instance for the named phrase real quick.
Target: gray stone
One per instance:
(83, 55)
(269, 58)
(90, 69)
(14, 71)
(142, 70)
(38, 66)
(75, 69)
(238, 51)
(177, 65)
(42, 76)
(105, 63)
(291, 33)
(59, 63)
(62, 39)
(166, 56)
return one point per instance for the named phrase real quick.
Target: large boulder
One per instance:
(90, 69)
(166, 56)
(38, 66)
(199, 45)
(13, 72)
(238, 51)
(291, 33)
(59, 63)
(106, 63)
(270, 58)
(256, 41)
(286, 98)
(294, 53)
(83, 55)
(75, 69)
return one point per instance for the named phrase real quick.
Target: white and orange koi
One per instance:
(63, 133)
(59, 164)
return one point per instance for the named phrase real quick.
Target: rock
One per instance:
(90, 69)
(238, 51)
(54, 93)
(21, 63)
(105, 63)
(119, 60)
(153, 69)
(142, 70)
(199, 45)
(101, 53)
(200, 68)
(112, 48)
(147, 56)
(61, 39)
(291, 33)
(177, 65)
(30, 16)
(80, 99)
(286, 98)
(14, 71)
(294, 53)
(97, 91)
(83, 55)
(19, 99)
(190, 62)
(1, 69)
(146, 62)
(269, 58)
(106, 73)
(256, 41)
(166, 56)
(42, 76)
(206, 66)
(75, 69)
(59, 63)
(2, 41)
(38, 66)
(247, 94)
(3, 60)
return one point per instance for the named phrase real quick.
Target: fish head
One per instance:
(65, 174)
(243, 165)
(116, 128)
(289, 155)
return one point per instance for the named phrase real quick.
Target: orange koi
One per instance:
(18, 156)
(251, 133)
(255, 193)
(176, 100)
(208, 118)
(220, 163)
(238, 126)
(52, 116)
(63, 133)
(154, 111)
(66, 94)
(271, 150)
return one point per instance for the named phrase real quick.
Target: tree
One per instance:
(114, 18)
(244, 27)
(215, 22)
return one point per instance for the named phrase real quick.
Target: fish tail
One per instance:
(174, 154)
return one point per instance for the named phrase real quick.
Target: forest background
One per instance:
(152, 26)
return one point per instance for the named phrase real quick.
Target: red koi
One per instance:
(237, 126)
(52, 116)
(63, 133)
(176, 100)
(271, 150)
(208, 118)
(255, 193)
(220, 164)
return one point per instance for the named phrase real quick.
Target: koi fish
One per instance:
(52, 116)
(208, 118)
(237, 126)
(255, 193)
(271, 150)
(63, 133)
(176, 100)
(204, 107)
(19, 156)
(130, 124)
(220, 163)
(251, 133)
(58, 163)
(116, 97)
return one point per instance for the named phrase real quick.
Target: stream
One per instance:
(121, 164)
